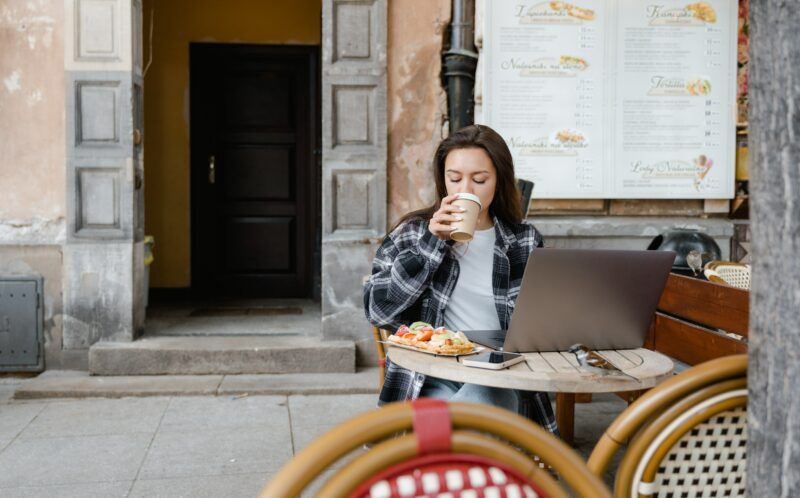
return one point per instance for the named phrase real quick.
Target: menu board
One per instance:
(614, 98)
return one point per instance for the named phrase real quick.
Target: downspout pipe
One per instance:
(459, 62)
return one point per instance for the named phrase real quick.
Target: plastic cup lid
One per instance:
(469, 197)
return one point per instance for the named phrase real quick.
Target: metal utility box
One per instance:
(21, 335)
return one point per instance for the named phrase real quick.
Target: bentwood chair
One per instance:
(380, 336)
(432, 448)
(526, 191)
(728, 273)
(689, 435)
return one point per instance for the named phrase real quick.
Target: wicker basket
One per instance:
(728, 273)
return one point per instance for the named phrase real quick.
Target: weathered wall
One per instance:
(31, 117)
(417, 103)
(415, 115)
(32, 173)
(415, 108)
(176, 23)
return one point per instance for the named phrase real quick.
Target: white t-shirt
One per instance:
(471, 306)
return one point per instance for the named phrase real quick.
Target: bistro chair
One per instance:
(526, 191)
(380, 336)
(728, 273)
(432, 448)
(690, 435)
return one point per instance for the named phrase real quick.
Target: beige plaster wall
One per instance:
(417, 103)
(32, 148)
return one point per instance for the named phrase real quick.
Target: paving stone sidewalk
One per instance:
(174, 446)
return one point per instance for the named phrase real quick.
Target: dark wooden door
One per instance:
(254, 186)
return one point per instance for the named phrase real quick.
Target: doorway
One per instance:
(254, 184)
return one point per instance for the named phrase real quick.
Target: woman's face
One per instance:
(471, 170)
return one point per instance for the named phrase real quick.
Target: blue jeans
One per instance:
(470, 393)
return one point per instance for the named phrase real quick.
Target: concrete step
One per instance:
(235, 318)
(222, 355)
(72, 384)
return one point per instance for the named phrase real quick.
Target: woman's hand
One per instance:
(441, 219)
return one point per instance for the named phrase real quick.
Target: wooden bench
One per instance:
(695, 321)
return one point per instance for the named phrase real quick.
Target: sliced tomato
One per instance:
(425, 335)
(403, 330)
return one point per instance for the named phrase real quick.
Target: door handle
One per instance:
(212, 170)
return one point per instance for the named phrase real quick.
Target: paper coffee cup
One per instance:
(465, 228)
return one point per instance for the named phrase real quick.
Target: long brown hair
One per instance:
(506, 204)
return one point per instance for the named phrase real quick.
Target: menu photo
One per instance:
(676, 174)
(614, 98)
(545, 92)
(674, 101)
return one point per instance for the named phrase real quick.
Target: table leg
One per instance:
(565, 416)
(631, 396)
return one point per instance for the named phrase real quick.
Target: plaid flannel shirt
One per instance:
(413, 276)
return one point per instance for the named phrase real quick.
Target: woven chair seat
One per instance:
(449, 475)
(692, 458)
(687, 437)
(712, 456)
(724, 272)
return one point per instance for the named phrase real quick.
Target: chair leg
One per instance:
(565, 416)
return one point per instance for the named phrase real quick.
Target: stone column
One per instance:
(773, 446)
(353, 159)
(103, 253)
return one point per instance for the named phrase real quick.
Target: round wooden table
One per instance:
(556, 372)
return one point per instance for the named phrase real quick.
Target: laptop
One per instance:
(603, 299)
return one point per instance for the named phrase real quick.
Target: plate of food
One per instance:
(423, 337)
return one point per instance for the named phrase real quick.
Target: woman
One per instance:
(419, 273)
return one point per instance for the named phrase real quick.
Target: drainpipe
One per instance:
(460, 61)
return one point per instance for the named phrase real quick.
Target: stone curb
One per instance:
(68, 384)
